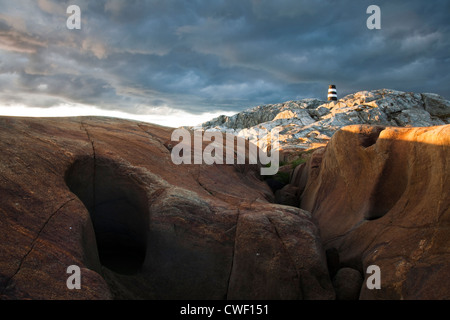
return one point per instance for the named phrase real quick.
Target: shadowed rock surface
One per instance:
(381, 197)
(347, 283)
(103, 194)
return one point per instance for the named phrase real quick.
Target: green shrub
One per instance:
(283, 177)
(297, 162)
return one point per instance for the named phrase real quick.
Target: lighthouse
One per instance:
(332, 94)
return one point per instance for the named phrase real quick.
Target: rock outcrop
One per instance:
(310, 123)
(347, 283)
(104, 195)
(265, 113)
(381, 197)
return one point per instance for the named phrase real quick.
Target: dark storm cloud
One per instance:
(217, 55)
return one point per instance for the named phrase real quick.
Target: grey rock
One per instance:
(306, 123)
(436, 105)
(416, 118)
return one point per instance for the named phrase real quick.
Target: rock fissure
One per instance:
(204, 188)
(94, 165)
(233, 253)
(355, 227)
(163, 147)
(288, 254)
(33, 243)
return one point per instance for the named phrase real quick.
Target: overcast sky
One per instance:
(165, 58)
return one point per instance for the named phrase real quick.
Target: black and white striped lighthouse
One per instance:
(332, 94)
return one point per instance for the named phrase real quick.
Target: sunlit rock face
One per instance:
(377, 187)
(380, 196)
(311, 123)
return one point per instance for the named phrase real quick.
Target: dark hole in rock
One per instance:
(275, 184)
(370, 137)
(118, 209)
(388, 190)
(333, 261)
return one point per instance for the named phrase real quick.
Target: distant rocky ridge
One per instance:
(310, 123)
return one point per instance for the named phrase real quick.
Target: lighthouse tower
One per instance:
(332, 94)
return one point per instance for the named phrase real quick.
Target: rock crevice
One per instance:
(139, 226)
(33, 243)
(386, 205)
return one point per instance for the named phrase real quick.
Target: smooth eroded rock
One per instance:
(347, 282)
(381, 197)
(104, 195)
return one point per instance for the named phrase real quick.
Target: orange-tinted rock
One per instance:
(381, 197)
(277, 256)
(103, 194)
